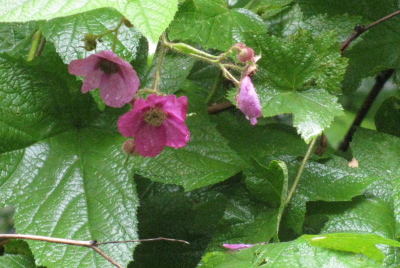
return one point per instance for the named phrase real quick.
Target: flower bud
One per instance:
(90, 42)
(129, 148)
(244, 53)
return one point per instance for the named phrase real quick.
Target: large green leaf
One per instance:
(166, 211)
(67, 33)
(212, 24)
(16, 38)
(152, 18)
(357, 243)
(362, 216)
(379, 154)
(62, 166)
(207, 159)
(17, 255)
(17, 261)
(298, 253)
(340, 183)
(316, 70)
(313, 110)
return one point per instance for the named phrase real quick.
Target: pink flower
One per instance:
(240, 246)
(156, 122)
(248, 101)
(244, 53)
(115, 77)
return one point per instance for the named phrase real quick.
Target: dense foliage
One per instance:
(240, 92)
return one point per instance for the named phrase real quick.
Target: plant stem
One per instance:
(157, 75)
(381, 80)
(300, 172)
(93, 244)
(360, 29)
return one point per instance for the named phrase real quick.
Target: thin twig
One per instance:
(360, 29)
(72, 242)
(93, 244)
(300, 172)
(105, 256)
(215, 108)
(381, 79)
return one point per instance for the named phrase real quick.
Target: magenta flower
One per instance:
(240, 246)
(115, 77)
(156, 122)
(248, 101)
(237, 246)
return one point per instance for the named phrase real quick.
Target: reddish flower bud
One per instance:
(244, 53)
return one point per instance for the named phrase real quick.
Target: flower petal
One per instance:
(114, 91)
(84, 66)
(248, 101)
(92, 80)
(129, 123)
(177, 133)
(150, 140)
(237, 246)
(176, 106)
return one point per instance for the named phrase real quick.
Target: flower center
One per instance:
(155, 116)
(108, 67)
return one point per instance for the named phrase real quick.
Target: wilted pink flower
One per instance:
(248, 101)
(244, 53)
(156, 122)
(115, 77)
(240, 246)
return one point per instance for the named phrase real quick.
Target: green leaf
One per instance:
(292, 20)
(340, 183)
(213, 24)
(298, 253)
(315, 62)
(380, 154)
(357, 243)
(17, 261)
(269, 8)
(316, 68)
(269, 184)
(207, 159)
(64, 174)
(174, 70)
(67, 33)
(245, 219)
(258, 141)
(152, 18)
(386, 118)
(16, 38)
(313, 110)
(166, 211)
(363, 216)
(266, 183)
